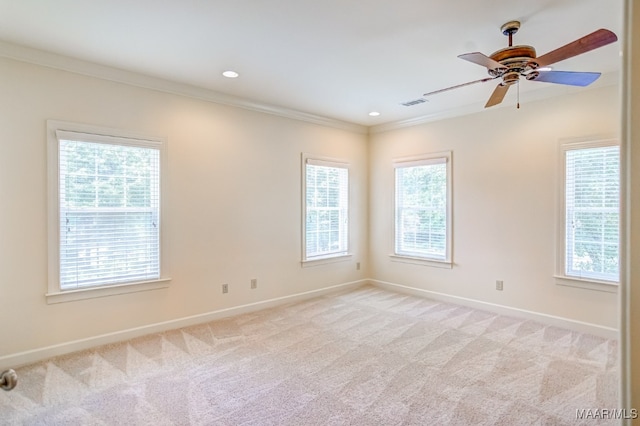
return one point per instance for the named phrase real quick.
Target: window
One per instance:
(591, 211)
(423, 208)
(105, 208)
(325, 209)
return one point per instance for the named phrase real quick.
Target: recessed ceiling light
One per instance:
(374, 113)
(230, 74)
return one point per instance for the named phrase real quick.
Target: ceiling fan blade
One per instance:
(498, 95)
(481, 59)
(589, 42)
(435, 92)
(567, 77)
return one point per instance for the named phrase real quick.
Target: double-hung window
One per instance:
(105, 209)
(423, 209)
(325, 208)
(590, 214)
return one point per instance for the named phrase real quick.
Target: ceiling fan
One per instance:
(513, 62)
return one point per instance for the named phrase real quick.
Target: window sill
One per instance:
(104, 291)
(326, 260)
(588, 284)
(446, 264)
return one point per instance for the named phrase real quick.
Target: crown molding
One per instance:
(606, 79)
(78, 66)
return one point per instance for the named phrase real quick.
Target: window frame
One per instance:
(338, 256)
(445, 157)
(95, 134)
(561, 277)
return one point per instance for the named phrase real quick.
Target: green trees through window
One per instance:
(422, 208)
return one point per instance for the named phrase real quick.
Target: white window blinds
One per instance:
(109, 210)
(326, 209)
(421, 209)
(592, 194)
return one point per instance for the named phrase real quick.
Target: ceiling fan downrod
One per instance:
(509, 29)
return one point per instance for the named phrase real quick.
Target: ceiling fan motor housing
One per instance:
(514, 59)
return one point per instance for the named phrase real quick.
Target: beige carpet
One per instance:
(360, 357)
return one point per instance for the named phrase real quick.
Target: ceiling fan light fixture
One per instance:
(510, 78)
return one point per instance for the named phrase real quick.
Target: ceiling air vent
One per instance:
(415, 102)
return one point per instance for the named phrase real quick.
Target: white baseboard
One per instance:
(36, 355)
(579, 326)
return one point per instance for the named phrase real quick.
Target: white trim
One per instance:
(595, 141)
(309, 263)
(564, 145)
(51, 60)
(570, 324)
(423, 261)
(18, 359)
(104, 291)
(423, 160)
(316, 160)
(324, 161)
(589, 284)
(442, 157)
(78, 66)
(71, 127)
(56, 130)
(105, 138)
(23, 358)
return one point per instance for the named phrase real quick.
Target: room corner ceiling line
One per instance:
(91, 69)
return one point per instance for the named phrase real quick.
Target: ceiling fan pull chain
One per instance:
(518, 94)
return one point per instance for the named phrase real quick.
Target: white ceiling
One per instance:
(338, 59)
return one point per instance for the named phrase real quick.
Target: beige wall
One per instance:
(234, 209)
(505, 164)
(234, 204)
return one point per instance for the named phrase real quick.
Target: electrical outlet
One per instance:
(254, 283)
(225, 288)
(358, 266)
(499, 285)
